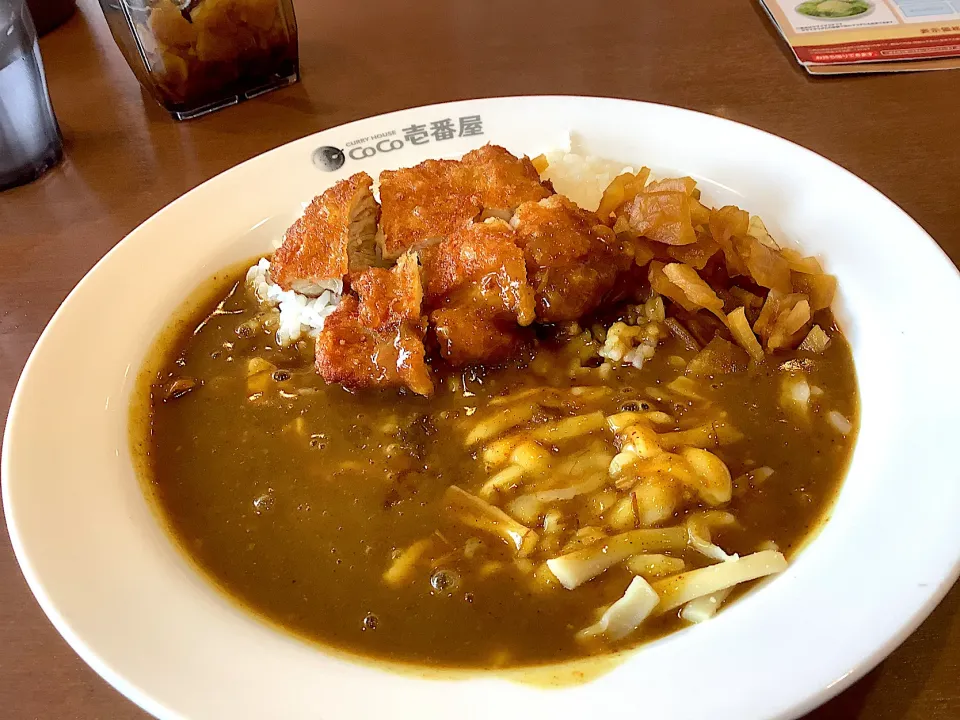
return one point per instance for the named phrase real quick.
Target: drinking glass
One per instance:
(30, 141)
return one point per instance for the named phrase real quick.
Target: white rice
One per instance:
(581, 178)
(299, 315)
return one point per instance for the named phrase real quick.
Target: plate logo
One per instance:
(329, 158)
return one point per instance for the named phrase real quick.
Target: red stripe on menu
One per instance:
(935, 46)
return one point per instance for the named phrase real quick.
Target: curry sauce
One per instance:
(330, 512)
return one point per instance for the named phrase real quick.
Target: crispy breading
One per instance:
(504, 181)
(375, 339)
(423, 204)
(469, 331)
(483, 253)
(428, 202)
(572, 258)
(475, 287)
(335, 235)
(390, 296)
(358, 357)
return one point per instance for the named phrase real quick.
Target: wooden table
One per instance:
(126, 159)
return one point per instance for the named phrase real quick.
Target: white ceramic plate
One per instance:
(126, 600)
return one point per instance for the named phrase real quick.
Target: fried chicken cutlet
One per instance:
(375, 338)
(426, 203)
(476, 293)
(572, 259)
(335, 235)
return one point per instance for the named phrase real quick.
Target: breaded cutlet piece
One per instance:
(424, 204)
(390, 296)
(375, 339)
(357, 357)
(504, 180)
(573, 260)
(466, 332)
(428, 202)
(484, 254)
(476, 292)
(335, 235)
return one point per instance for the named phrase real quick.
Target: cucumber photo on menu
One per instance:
(833, 8)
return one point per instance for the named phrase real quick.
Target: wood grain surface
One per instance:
(126, 159)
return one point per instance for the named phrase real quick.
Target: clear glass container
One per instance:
(30, 142)
(197, 56)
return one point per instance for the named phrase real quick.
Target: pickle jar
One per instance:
(197, 56)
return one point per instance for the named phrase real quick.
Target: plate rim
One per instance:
(144, 699)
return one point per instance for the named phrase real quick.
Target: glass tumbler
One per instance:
(197, 56)
(30, 140)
